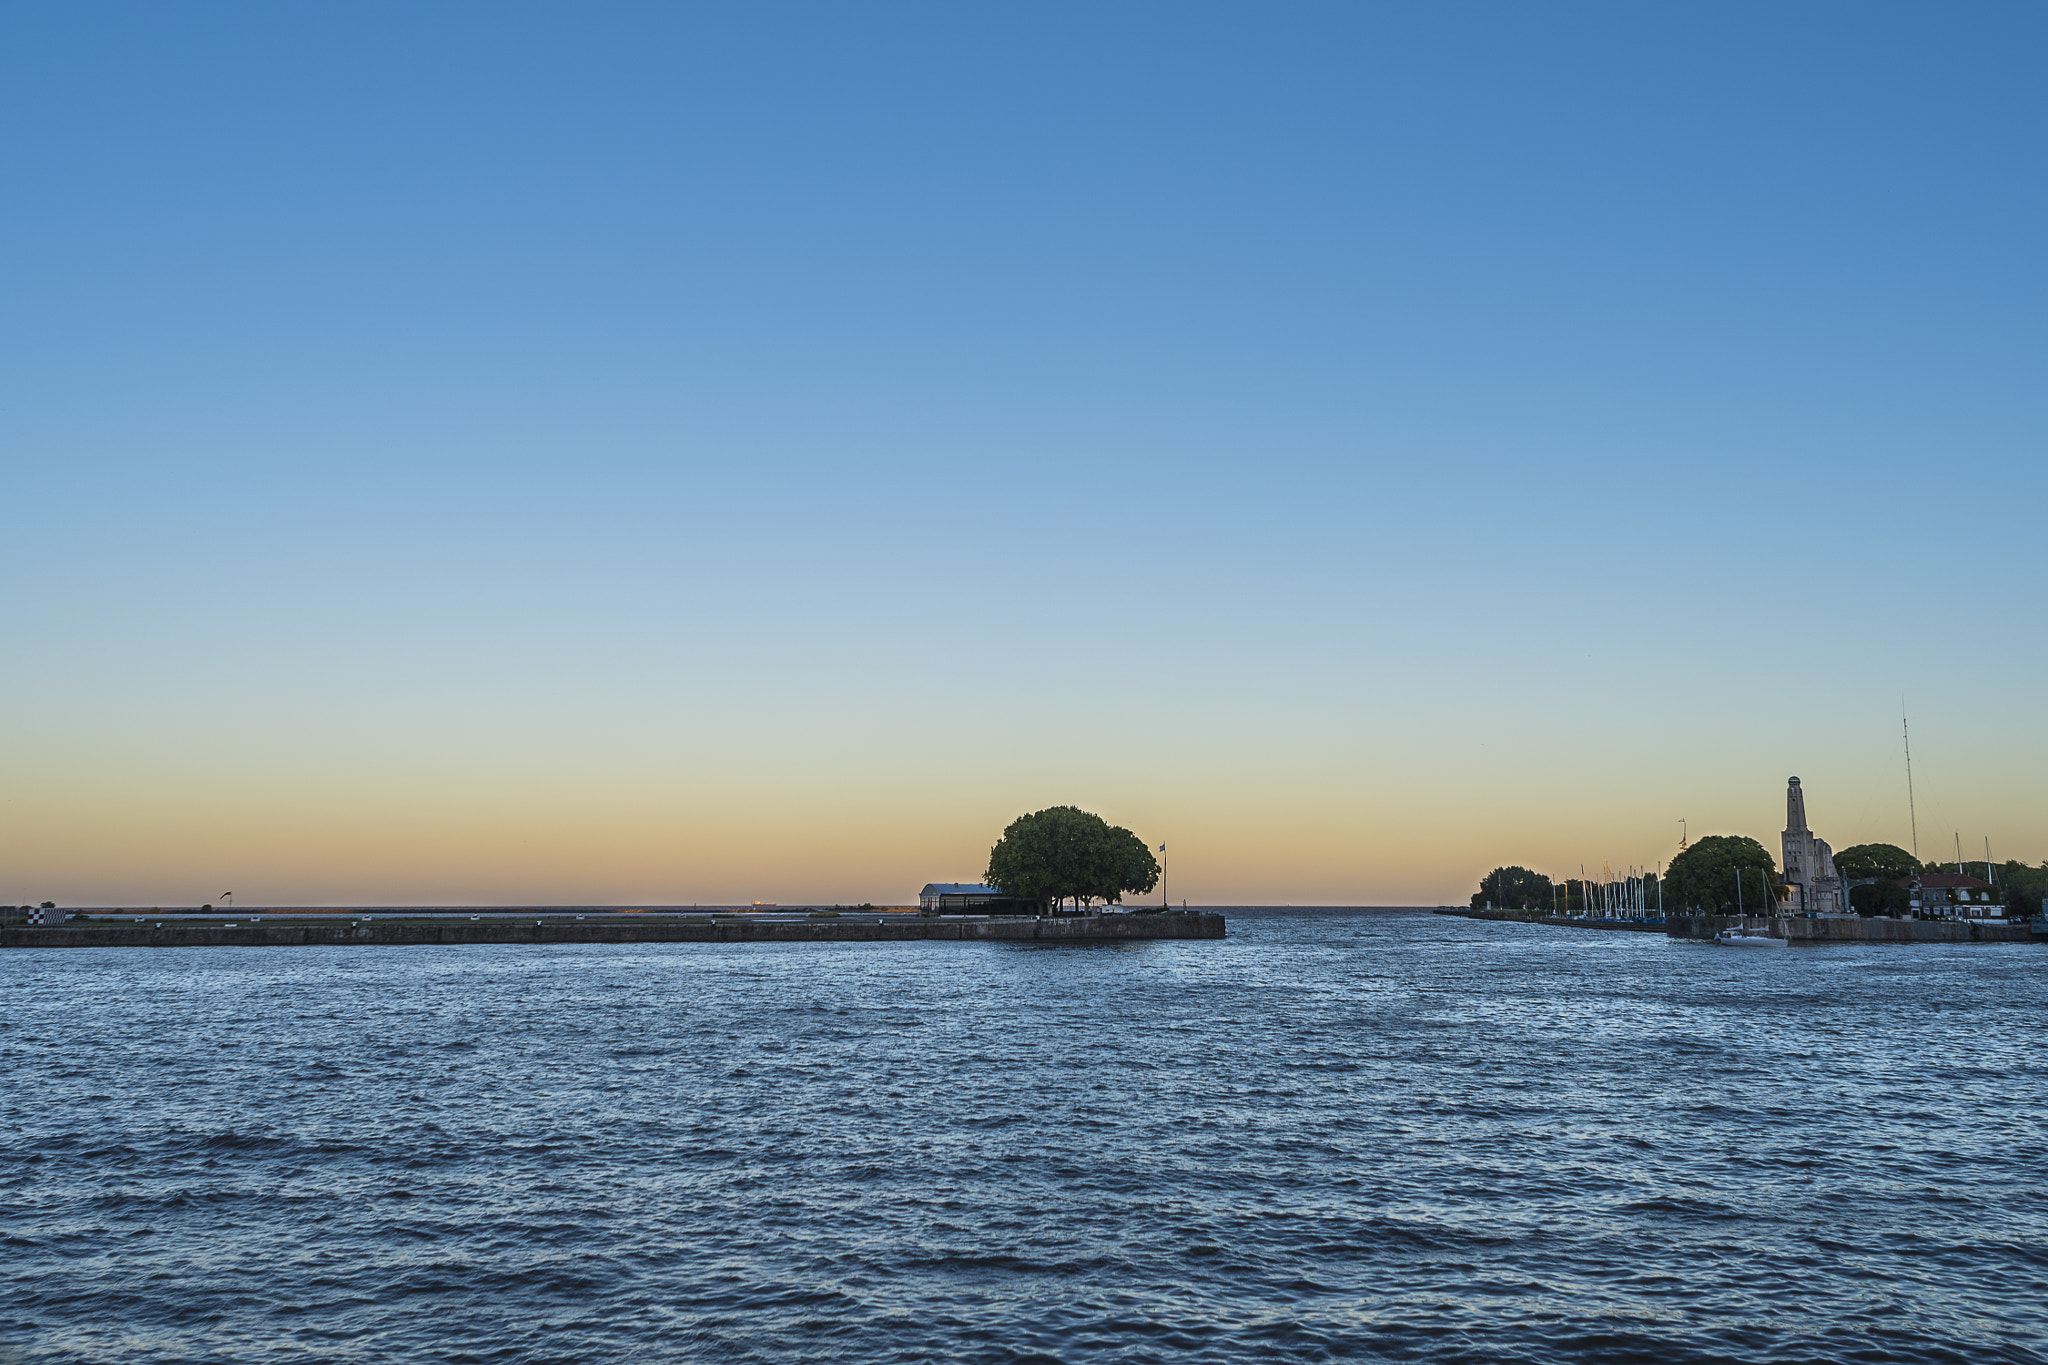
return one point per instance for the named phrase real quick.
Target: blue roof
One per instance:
(958, 889)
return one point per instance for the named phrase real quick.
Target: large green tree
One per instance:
(1064, 853)
(1705, 877)
(1513, 888)
(1883, 866)
(2023, 887)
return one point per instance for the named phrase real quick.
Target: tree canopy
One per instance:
(2023, 887)
(1884, 865)
(1064, 853)
(1513, 888)
(1876, 860)
(1705, 876)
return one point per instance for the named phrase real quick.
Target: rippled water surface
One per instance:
(1338, 1136)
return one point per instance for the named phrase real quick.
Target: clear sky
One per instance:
(663, 454)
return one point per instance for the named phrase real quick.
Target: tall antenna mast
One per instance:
(1911, 811)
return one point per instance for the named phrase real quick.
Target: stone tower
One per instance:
(1810, 878)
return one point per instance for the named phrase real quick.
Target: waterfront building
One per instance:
(1812, 886)
(957, 898)
(1947, 895)
(971, 898)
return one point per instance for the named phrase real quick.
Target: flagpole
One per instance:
(1165, 901)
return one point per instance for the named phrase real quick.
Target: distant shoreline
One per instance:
(1804, 929)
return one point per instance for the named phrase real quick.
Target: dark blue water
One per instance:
(1365, 1136)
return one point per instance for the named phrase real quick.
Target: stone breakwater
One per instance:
(1851, 929)
(624, 929)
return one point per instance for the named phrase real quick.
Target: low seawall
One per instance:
(623, 929)
(1851, 929)
(1631, 926)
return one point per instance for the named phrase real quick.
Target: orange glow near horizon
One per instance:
(392, 835)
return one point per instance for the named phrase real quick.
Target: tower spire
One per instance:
(1795, 805)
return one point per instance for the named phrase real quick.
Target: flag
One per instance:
(1162, 848)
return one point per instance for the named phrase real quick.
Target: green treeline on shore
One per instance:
(1720, 872)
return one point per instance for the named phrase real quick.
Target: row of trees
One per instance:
(2025, 887)
(1064, 854)
(1885, 866)
(1517, 888)
(1722, 871)
(1716, 870)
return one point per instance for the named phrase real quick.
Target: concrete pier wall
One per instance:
(1627, 926)
(1851, 929)
(622, 929)
(1826, 929)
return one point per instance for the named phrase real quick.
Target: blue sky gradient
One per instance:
(639, 453)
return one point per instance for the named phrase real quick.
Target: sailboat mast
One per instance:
(1912, 812)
